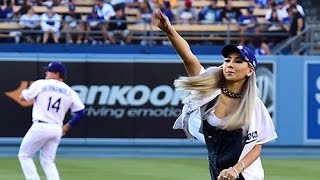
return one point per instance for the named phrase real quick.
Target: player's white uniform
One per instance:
(52, 100)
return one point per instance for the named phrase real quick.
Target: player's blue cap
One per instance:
(244, 51)
(57, 66)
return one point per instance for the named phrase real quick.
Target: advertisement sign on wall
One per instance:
(122, 99)
(312, 89)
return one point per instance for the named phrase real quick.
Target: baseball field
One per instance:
(158, 169)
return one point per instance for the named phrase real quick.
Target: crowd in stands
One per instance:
(107, 21)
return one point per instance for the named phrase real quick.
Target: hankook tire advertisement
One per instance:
(122, 99)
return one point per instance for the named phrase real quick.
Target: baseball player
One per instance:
(52, 99)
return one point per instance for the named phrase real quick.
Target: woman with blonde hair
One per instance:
(222, 108)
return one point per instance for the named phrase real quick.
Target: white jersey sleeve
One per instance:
(266, 130)
(77, 105)
(261, 130)
(32, 91)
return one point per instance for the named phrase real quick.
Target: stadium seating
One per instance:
(200, 32)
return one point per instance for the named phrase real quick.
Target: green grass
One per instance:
(158, 169)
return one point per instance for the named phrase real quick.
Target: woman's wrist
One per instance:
(243, 166)
(236, 172)
(168, 30)
(238, 168)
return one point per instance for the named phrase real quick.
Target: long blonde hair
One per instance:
(206, 83)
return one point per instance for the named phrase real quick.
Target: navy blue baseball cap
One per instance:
(244, 51)
(57, 66)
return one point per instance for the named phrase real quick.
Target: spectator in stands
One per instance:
(297, 20)
(145, 11)
(50, 25)
(118, 3)
(277, 8)
(248, 24)
(277, 21)
(106, 11)
(295, 3)
(210, 13)
(230, 14)
(7, 12)
(274, 23)
(73, 25)
(25, 7)
(118, 27)
(2, 17)
(186, 14)
(166, 10)
(144, 16)
(94, 23)
(30, 22)
(260, 47)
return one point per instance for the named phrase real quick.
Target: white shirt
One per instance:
(106, 11)
(213, 120)
(30, 21)
(53, 22)
(285, 12)
(52, 100)
(280, 13)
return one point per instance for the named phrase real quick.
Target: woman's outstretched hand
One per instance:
(160, 20)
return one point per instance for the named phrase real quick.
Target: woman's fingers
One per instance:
(156, 17)
(157, 14)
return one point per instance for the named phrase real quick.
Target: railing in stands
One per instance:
(305, 43)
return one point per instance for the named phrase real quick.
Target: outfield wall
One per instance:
(131, 96)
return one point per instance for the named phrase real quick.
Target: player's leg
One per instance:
(48, 152)
(30, 144)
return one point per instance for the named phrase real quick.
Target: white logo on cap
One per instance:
(240, 47)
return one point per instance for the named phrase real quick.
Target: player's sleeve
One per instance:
(77, 104)
(76, 117)
(77, 108)
(267, 130)
(32, 91)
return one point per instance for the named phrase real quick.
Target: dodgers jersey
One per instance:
(52, 100)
